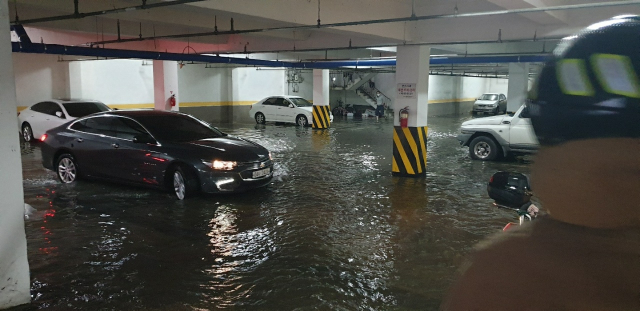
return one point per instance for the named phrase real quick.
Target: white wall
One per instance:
(198, 84)
(472, 87)
(252, 84)
(39, 77)
(114, 82)
(119, 82)
(447, 88)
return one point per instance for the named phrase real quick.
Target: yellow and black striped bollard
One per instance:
(409, 151)
(321, 119)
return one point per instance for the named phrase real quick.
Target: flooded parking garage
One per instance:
(333, 231)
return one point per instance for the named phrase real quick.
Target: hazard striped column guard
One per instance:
(409, 151)
(321, 118)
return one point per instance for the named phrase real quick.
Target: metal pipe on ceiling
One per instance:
(545, 39)
(77, 15)
(387, 20)
(117, 53)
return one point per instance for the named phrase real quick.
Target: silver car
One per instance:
(490, 103)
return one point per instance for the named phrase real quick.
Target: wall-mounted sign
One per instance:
(407, 90)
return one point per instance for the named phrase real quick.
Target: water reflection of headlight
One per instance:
(232, 248)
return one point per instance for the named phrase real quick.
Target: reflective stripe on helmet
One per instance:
(616, 75)
(572, 77)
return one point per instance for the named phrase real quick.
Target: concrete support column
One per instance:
(412, 86)
(14, 267)
(321, 109)
(518, 85)
(165, 84)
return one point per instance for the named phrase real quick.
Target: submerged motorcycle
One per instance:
(512, 191)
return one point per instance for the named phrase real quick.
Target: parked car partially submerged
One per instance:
(39, 118)
(493, 137)
(160, 149)
(287, 109)
(490, 103)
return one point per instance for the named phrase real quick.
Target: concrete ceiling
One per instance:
(152, 28)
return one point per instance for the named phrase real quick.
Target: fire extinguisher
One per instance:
(404, 116)
(172, 100)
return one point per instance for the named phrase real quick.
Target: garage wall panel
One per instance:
(118, 83)
(198, 84)
(447, 94)
(39, 77)
(253, 84)
(223, 95)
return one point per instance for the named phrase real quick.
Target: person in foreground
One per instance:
(585, 254)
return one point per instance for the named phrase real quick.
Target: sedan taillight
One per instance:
(43, 137)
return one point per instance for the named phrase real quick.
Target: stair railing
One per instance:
(371, 91)
(353, 77)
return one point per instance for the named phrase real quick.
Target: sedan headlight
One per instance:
(221, 165)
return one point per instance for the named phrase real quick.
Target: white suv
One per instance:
(494, 137)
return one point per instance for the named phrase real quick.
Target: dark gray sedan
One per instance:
(166, 150)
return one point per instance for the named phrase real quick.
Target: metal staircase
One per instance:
(359, 80)
(352, 80)
(368, 94)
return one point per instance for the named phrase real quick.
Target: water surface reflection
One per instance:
(333, 231)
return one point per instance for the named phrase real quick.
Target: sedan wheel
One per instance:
(184, 183)
(301, 121)
(67, 169)
(27, 133)
(178, 185)
(260, 118)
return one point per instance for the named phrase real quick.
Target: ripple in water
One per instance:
(333, 231)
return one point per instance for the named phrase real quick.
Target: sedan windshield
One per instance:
(489, 97)
(177, 128)
(300, 102)
(80, 109)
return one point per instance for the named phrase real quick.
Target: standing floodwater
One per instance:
(334, 230)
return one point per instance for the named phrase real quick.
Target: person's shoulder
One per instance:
(563, 263)
(495, 275)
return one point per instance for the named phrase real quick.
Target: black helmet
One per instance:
(591, 86)
(510, 189)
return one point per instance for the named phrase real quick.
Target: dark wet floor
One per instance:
(334, 230)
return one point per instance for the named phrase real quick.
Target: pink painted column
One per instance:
(165, 85)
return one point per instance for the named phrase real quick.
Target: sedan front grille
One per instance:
(256, 165)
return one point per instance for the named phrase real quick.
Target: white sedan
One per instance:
(289, 109)
(43, 116)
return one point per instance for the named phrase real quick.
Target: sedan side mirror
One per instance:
(144, 139)
(291, 106)
(60, 115)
